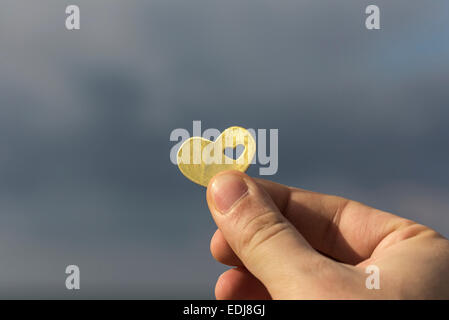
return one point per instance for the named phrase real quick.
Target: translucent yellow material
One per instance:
(200, 159)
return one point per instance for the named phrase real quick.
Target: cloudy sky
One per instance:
(85, 120)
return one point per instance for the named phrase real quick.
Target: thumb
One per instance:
(264, 240)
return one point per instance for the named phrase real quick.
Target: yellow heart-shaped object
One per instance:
(200, 159)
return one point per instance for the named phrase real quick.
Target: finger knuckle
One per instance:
(260, 230)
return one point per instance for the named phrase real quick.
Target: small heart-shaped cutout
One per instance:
(200, 159)
(234, 153)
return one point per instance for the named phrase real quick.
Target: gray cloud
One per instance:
(85, 118)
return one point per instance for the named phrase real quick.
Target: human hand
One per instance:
(290, 243)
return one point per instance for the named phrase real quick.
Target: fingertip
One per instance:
(221, 287)
(225, 189)
(239, 284)
(221, 251)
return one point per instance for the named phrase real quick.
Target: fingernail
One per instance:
(226, 190)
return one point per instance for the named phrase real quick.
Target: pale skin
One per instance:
(288, 243)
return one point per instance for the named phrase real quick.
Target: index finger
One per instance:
(345, 230)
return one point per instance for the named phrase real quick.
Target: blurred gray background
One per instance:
(85, 119)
